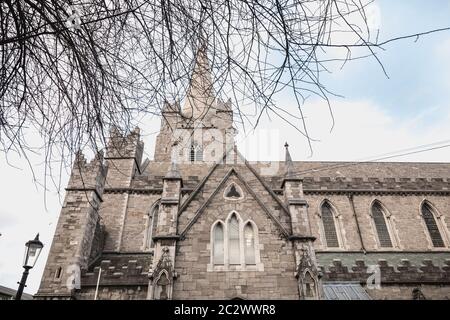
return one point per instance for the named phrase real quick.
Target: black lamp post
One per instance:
(32, 250)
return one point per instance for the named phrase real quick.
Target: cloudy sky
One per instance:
(378, 116)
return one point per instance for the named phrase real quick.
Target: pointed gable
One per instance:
(215, 184)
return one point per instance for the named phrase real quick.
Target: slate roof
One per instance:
(344, 291)
(12, 292)
(321, 175)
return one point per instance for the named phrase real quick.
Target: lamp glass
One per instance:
(32, 251)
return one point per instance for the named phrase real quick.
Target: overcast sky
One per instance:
(377, 116)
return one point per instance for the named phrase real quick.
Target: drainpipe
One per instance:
(352, 204)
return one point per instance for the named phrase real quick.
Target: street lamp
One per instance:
(32, 250)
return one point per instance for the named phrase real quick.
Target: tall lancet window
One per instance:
(249, 244)
(218, 244)
(381, 226)
(329, 226)
(432, 226)
(151, 225)
(233, 241)
(196, 153)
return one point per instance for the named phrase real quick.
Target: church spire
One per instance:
(200, 95)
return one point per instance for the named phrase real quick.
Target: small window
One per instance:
(233, 244)
(381, 227)
(329, 226)
(233, 192)
(218, 245)
(196, 153)
(432, 226)
(58, 273)
(249, 244)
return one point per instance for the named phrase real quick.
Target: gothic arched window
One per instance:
(151, 225)
(381, 226)
(196, 153)
(329, 226)
(233, 241)
(432, 226)
(218, 245)
(249, 244)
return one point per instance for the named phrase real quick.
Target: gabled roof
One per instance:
(199, 212)
(12, 292)
(200, 185)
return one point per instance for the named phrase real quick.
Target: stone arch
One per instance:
(309, 286)
(162, 288)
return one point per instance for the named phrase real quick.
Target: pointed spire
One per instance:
(289, 173)
(200, 95)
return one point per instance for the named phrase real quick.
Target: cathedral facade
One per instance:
(201, 222)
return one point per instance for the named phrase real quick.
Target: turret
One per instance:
(202, 130)
(79, 228)
(124, 157)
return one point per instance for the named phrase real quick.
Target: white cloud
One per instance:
(362, 130)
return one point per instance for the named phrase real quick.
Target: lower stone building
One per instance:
(201, 222)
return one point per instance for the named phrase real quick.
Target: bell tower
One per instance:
(202, 129)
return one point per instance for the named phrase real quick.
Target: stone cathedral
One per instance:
(201, 222)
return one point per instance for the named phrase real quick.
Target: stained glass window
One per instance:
(380, 225)
(432, 226)
(329, 226)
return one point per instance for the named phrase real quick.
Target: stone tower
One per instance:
(79, 233)
(203, 126)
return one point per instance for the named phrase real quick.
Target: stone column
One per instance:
(162, 273)
(307, 274)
